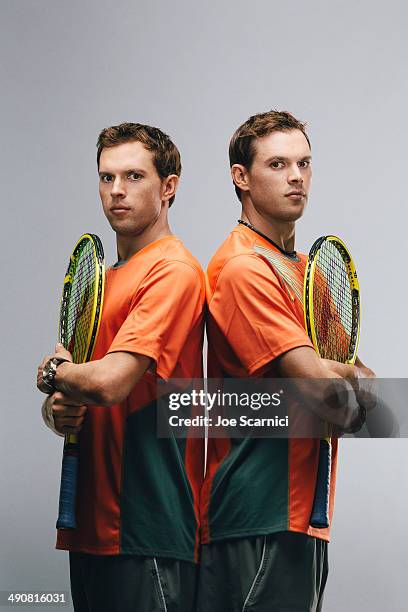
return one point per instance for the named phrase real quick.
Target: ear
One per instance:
(239, 175)
(169, 187)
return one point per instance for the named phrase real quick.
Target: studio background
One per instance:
(198, 70)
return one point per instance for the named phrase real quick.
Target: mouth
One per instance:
(296, 194)
(117, 210)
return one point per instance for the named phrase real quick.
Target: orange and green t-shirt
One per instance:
(137, 493)
(255, 314)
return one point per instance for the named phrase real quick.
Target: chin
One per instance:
(293, 215)
(126, 229)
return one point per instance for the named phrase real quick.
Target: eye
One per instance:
(106, 178)
(134, 176)
(277, 164)
(304, 163)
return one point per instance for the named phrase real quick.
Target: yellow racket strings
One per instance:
(77, 308)
(332, 304)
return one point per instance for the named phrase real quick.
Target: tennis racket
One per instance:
(332, 318)
(80, 315)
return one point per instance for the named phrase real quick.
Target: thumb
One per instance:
(62, 352)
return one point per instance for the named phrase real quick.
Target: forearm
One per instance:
(82, 382)
(327, 388)
(103, 382)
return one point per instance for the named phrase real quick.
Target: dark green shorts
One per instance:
(274, 573)
(125, 583)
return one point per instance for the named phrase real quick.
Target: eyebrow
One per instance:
(128, 171)
(280, 158)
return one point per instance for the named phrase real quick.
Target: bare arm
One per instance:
(346, 398)
(104, 382)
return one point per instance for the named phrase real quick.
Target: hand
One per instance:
(360, 377)
(363, 382)
(67, 414)
(343, 410)
(60, 353)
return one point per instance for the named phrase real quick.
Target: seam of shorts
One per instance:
(161, 593)
(255, 581)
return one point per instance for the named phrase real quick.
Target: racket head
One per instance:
(332, 300)
(82, 298)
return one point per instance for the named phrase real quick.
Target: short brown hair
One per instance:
(166, 156)
(242, 146)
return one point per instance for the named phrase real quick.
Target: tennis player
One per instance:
(136, 544)
(259, 552)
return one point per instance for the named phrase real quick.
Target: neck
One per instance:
(129, 245)
(281, 233)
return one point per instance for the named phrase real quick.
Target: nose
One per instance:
(295, 176)
(117, 188)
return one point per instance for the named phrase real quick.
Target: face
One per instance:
(279, 179)
(130, 188)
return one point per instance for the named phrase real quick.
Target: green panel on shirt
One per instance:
(257, 470)
(157, 513)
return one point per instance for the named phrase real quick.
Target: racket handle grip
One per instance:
(68, 489)
(320, 511)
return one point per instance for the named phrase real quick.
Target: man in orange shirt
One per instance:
(259, 552)
(136, 544)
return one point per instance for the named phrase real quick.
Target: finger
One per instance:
(342, 404)
(59, 398)
(368, 400)
(68, 425)
(70, 421)
(368, 393)
(68, 411)
(358, 421)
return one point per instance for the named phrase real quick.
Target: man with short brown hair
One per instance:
(259, 551)
(166, 156)
(242, 148)
(136, 543)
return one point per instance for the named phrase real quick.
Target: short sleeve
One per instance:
(166, 307)
(254, 312)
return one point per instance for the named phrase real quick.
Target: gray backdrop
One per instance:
(198, 70)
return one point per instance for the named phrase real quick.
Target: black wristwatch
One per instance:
(49, 372)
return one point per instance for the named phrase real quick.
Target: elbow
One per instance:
(113, 379)
(104, 398)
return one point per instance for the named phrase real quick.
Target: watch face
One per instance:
(49, 371)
